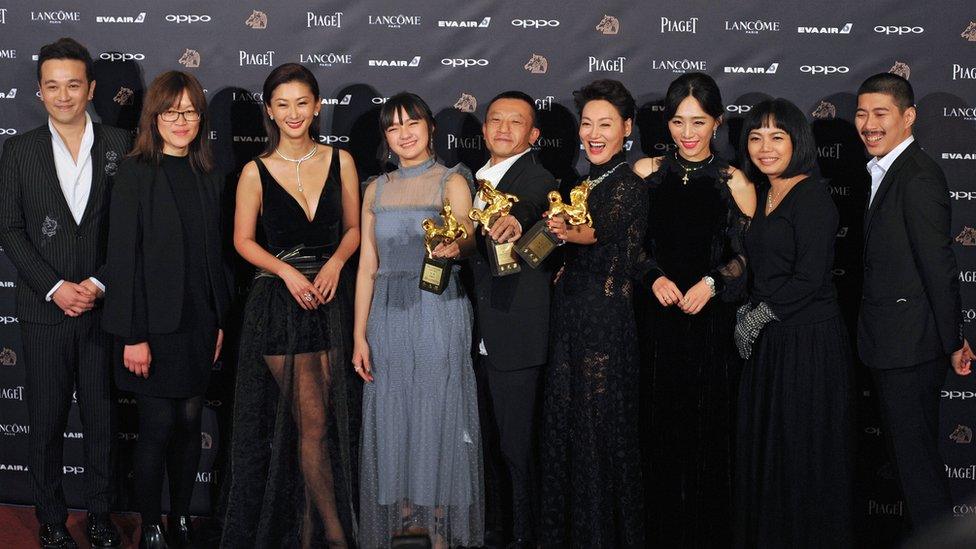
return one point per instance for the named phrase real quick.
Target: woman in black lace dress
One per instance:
(590, 455)
(794, 450)
(296, 408)
(699, 209)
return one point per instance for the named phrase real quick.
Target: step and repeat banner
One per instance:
(457, 56)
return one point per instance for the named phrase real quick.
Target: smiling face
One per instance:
(65, 90)
(692, 129)
(293, 107)
(602, 130)
(881, 124)
(770, 149)
(178, 135)
(408, 138)
(508, 128)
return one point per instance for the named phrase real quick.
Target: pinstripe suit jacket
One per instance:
(37, 230)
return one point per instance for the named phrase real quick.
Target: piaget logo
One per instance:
(689, 25)
(263, 59)
(960, 72)
(613, 64)
(333, 20)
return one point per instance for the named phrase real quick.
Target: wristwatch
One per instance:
(710, 282)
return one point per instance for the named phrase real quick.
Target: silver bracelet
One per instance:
(711, 283)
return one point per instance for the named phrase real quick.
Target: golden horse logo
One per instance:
(124, 96)
(825, 111)
(962, 435)
(967, 237)
(466, 103)
(901, 69)
(609, 25)
(257, 20)
(538, 64)
(190, 58)
(497, 204)
(970, 32)
(451, 230)
(576, 211)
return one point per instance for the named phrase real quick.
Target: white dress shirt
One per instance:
(75, 178)
(878, 167)
(494, 174)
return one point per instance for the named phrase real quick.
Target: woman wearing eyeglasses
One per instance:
(166, 293)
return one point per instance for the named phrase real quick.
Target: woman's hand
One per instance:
(447, 251)
(696, 298)
(558, 227)
(137, 358)
(305, 293)
(577, 234)
(360, 359)
(220, 344)
(327, 279)
(666, 292)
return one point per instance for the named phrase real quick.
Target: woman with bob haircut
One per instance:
(167, 292)
(590, 451)
(296, 405)
(794, 438)
(421, 446)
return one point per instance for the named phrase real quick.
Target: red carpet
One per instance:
(18, 528)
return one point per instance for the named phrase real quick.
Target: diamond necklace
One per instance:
(298, 163)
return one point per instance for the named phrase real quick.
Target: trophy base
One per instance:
(536, 245)
(435, 275)
(502, 258)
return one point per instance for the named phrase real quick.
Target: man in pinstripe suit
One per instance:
(54, 198)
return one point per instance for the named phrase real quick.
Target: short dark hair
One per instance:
(890, 84)
(415, 107)
(284, 74)
(520, 95)
(698, 85)
(164, 92)
(612, 91)
(66, 48)
(784, 115)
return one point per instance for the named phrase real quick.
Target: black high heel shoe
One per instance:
(180, 530)
(152, 537)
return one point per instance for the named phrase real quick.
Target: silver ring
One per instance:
(307, 296)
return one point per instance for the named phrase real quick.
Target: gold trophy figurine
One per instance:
(497, 204)
(436, 272)
(539, 242)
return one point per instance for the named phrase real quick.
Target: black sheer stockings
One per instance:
(169, 429)
(306, 379)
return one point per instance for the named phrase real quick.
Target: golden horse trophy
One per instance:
(536, 245)
(436, 272)
(501, 256)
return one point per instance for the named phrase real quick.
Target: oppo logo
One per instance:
(118, 56)
(464, 62)
(73, 470)
(969, 315)
(8, 319)
(380, 100)
(127, 436)
(8, 131)
(892, 29)
(957, 195)
(332, 139)
(665, 146)
(738, 109)
(825, 69)
(183, 18)
(535, 23)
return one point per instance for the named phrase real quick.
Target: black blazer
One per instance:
(145, 266)
(37, 230)
(910, 309)
(513, 310)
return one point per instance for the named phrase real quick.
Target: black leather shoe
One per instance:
(56, 536)
(101, 531)
(180, 530)
(152, 537)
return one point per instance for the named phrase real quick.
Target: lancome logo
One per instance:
(679, 65)
(333, 20)
(8, 54)
(966, 113)
(752, 27)
(141, 18)
(12, 429)
(325, 59)
(56, 17)
(394, 21)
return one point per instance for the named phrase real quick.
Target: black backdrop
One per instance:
(458, 55)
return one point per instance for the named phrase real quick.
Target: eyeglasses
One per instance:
(173, 116)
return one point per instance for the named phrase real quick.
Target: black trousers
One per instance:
(59, 359)
(909, 399)
(514, 408)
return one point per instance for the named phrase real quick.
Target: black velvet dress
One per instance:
(690, 368)
(794, 452)
(294, 453)
(590, 451)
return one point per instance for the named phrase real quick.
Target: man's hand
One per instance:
(962, 359)
(74, 299)
(92, 287)
(505, 229)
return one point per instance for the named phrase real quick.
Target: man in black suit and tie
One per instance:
(513, 310)
(909, 325)
(54, 198)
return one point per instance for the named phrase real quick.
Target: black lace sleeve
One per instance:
(730, 269)
(623, 221)
(650, 268)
